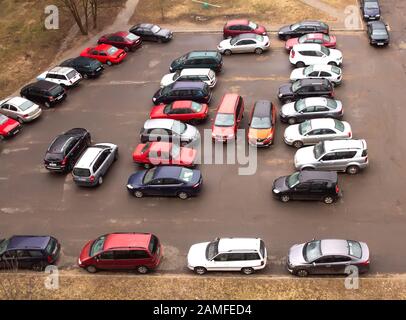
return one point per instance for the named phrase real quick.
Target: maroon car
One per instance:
(319, 38)
(235, 27)
(122, 40)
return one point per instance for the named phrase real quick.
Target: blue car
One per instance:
(165, 181)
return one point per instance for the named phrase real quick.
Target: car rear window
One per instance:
(224, 120)
(332, 104)
(112, 51)
(3, 246)
(261, 122)
(71, 74)
(262, 248)
(339, 125)
(196, 107)
(354, 249)
(55, 91)
(26, 105)
(153, 244)
(51, 246)
(80, 172)
(186, 175)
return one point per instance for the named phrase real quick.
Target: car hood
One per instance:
(223, 131)
(304, 155)
(371, 11)
(280, 185)
(288, 109)
(191, 133)
(292, 132)
(335, 54)
(156, 111)
(291, 42)
(136, 178)
(259, 133)
(295, 255)
(225, 43)
(9, 125)
(84, 254)
(297, 74)
(285, 29)
(164, 32)
(197, 254)
(285, 89)
(157, 94)
(167, 79)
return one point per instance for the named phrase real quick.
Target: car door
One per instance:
(329, 134)
(300, 192)
(138, 257)
(155, 187)
(314, 74)
(342, 159)
(323, 265)
(307, 113)
(326, 75)
(340, 263)
(105, 260)
(172, 186)
(219, 263)
(23, 259)
(313, 136)
(122, 259)
(318, 190)
(326, 162)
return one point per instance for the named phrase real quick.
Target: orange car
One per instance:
(261, 129)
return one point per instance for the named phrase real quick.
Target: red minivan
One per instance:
(228, 117)
(122, 251)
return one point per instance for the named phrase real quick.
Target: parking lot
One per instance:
(114, 107)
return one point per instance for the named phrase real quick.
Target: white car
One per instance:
(307, 54)
(317, 71)
(66, 77)
(228, 254)
(244, 43)
(313, 131)
(20, 109)
(206, 75)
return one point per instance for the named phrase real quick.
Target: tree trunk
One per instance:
(72, 5)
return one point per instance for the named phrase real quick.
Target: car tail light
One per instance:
(366, 159)
(196, 185)
(365, 263)
(64, 160)
(49, 258)
(337, 190)
(70, 81)
(51, 98)
(91, 178)
(292, 53)
(26, 116)
(350, 134)
(262, 263)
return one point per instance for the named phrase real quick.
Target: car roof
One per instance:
(160, 146)
(189, 85)
(315, 101)
(315, 35)
(247, 36)
(88, 157)
(321, 67)
(16, 101)
(118, 33)
(322, 123)
(238, 244)
(180, 104)
(28, 242)
(127, 240)
(307, 46)
(145, 25)
(307, 175)
(44, 84)
(262, 108)
(312, 22)
(196, 71)
(167, 172)
(228, 103)
(344, 144)
(378, 25)
(102, 46)
(61, 70)
(334, 247)
(205, 53)
(310, 81)
(237, 22)
(158, 123)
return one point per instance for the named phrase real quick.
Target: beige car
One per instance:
(244, 43)
(20, 109)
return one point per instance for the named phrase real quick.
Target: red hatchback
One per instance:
(8, 127)
(182, 110)
(235, 27)
(319, 38)
(164, 153)
(122, 251)
(105, 53)
(122, 39)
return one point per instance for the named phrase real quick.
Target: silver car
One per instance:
(339, 155)
(94, 164)
(20, 109)
(244, 43)
(313, 131)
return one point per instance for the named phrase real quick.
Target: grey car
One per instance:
(94, 164)
(329, 256)
(244, 43)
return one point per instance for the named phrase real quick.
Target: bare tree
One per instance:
(75, 9)
(94, 5)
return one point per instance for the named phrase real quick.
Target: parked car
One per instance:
(28, 252)
(326, 40)
(182, 110)
(206, 75)
(244, 43)
(44, 92)
(65, 150)
(315, 130)
(122, 251)
(198, 59)
(327, 256)
(197, 91)
(370, 9)
(308, 54)
(173, 181)
(228, 117)
(378, 33)
(317, 71)
(20, 109)
(87, 67)
(8, 127)
(261, 129)
(236, 27)
(66, 77)
(122, 40)
(168, 130)
(151, 32)
(94, 163)
(228, 254)
(307, 185)
(311, 108)
(349, 156)
(301, 28)
(105, 53)
(164, 153)
(305, 88)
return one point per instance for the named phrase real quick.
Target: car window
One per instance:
(107, 255)
(339, 125)
(329, 157)
(153, 244)
(309, 109)
(221, 257)
(22, 254)
(328, 131)
(235, 256)
(325, 74)
(122, 255)
(157, 182)
(35, 253)
(321, 108)
(341, 259)
(252, 256)
(139, 254)
(186, 175)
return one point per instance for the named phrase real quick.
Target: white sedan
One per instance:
(20, 109)
(206, 75)
(332, 73)
(244, 43)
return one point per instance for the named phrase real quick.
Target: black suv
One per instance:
(307, 185)
(305, 88)
(370, 9)
(378, 33)
(87, 67)
(198, 59)
(299, 29)
(66, 149)
(28, 252)
(197, 91)
(44, 92)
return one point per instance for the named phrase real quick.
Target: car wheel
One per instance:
(20, 120)
(183, 195)
(200, 270)
(300, 64)
(352, 170)
(109, 63)
(38, 267)
(328, 200)
(298, 144)
(302, 273)
(147, 165)
(100, 181)
(332, 63)
(227, 52)
(116, 156)
(126, 49)
(91, 269)
(258, 51)
(292, 120)
(47, 104)
(159, 40)
(247, 271)
(307, 168)
(287, 37)
(138, 194)
(85, 76)
(285, 198)
(142, 269)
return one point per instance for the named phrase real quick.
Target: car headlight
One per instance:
(129, 186)
(154, 99)
(280, 95)
(276, 191)
(79, 261)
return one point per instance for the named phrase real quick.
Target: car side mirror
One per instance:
(97, 258)
(314, 264)
(216, 239)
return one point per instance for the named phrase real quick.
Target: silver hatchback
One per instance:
(244, 43)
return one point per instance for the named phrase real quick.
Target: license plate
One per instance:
(98, 69)
(17, 131)
(52, 164)
(380, 44)
(59, 98)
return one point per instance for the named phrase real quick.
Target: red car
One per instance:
(319, 38)
(122, 40)
(235, 27)
(105, 53)
(8, 127)
(122, 251)
(182, 110)
(164, 153)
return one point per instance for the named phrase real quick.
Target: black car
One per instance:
(198, 59)
(299, 29)
(305, 88)
(151, 32)
(370, 9)
(87, 67)
(307, 185)
(66, 149)
(197, 91)
(44, 92)
(28, 252)
(378, 33)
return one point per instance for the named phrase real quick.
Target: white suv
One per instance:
(66, 77)
(308, 54)
(228, 254)
(208, 76)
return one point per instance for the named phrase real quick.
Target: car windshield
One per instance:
(300, 105)
(339, 125)
(196, 107)
(318, 150)
(176, 75)
(224, 120)
(296, 86)
(260, 122)
(3, 246)
(308, 70)
(79, 172)
(186, 174)
(252, 25)
(332, 104)
(293, 180)
(295, 26)
(312, 250)
(155, 29)
(326, 38)
(336, 70)
(379, 32)
(26, 105)
(325, 50)
(97, 246)
(51, 246)
(112, 51)
(212, 249)
(234, 40)
(303, 38)
(149, 175)
(131, 37)
(3, 119)
(354, 249)
(305, 127)
(178, 127)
